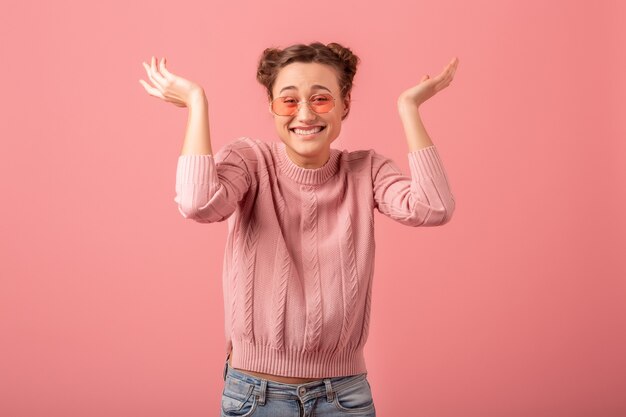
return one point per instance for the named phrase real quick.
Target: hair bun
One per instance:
(345, 54)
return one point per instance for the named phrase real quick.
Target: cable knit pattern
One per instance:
(349, 280)
(249, 267)
(311, 269)
(299, 255)
(279, 294)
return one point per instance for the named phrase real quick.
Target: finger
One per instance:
(456, 65)
(449, 71)
(449, 68)
(441, 78)
(438, 78)
(444, 74)
(156, 74)
(450, 76)
(454, 68)
(164, 70)
(448, 79)
(154, 81)
(151, 90)
(443, 83)
(447, 75)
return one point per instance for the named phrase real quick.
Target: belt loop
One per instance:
(226, 366)
(329, 390)
(262, 394)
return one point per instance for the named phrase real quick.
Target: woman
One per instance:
(299, 258)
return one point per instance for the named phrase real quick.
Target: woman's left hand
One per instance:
(428, 87)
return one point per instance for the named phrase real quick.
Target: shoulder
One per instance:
(364, 161)
(250, 150)
(357, 160)
(242, 146)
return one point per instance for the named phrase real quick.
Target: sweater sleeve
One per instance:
(423, 199)
(208, 187)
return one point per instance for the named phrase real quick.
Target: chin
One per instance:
(308, 148)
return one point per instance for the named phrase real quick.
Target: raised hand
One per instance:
(167, 86)
(428, 87)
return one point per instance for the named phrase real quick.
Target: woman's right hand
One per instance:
(168, 86)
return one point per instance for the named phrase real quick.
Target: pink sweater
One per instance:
(299, 255)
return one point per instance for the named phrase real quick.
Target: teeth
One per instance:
(307, 132)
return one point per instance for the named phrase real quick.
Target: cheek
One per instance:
(280, 125)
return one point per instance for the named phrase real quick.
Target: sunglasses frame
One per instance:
(301, 102)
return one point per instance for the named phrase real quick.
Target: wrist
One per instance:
(408, 108)
(407, 105)
(197, 98)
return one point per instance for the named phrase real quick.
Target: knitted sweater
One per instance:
(299, 254)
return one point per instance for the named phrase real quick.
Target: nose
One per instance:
(305, 113)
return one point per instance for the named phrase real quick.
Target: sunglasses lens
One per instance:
(322, 103)
(286, 106)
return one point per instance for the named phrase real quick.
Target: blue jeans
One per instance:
(249, 396)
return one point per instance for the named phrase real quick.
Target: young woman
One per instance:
(299, 258)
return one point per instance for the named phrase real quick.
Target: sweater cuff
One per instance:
(195, 169)
(425, 163)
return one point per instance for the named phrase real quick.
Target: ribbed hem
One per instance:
(197, 170)
(425, 163)
(194, 169)
(309, 176)
(297, 363)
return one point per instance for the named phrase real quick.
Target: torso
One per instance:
(277, 378)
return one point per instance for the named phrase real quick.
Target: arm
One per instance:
(416, 136)
(197, 135)
(208, 187)
(423, 199)
(411, 99)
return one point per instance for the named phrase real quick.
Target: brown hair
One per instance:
(335, 55)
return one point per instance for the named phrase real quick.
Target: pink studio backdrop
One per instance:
(111, 302)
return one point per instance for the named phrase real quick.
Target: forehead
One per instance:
(303, 76)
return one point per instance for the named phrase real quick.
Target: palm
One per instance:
(428, 87)
(167, 86)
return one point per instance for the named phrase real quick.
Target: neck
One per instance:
(312, 162)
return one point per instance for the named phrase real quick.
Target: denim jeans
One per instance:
(249, 396)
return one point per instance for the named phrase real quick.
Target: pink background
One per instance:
(111, 303)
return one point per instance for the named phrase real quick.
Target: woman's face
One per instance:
(301, 80)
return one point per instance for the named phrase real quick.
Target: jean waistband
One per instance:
(266, 387)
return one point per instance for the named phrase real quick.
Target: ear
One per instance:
(346, 104)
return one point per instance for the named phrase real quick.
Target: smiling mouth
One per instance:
(305, 132)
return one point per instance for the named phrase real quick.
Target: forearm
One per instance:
(416, 135)
(197, 135)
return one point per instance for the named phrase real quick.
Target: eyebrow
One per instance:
(314, 86)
